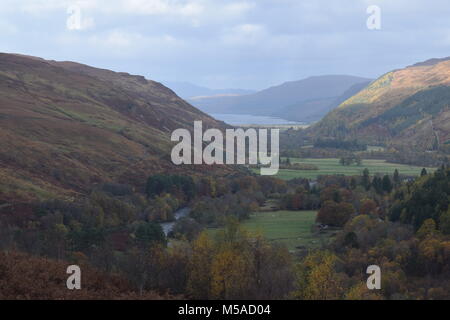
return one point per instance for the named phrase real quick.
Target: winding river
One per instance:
(168, 226)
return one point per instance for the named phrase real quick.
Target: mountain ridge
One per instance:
(285, 100)
(407, 106)
(188, 90)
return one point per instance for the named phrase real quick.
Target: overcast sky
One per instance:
(249, 44)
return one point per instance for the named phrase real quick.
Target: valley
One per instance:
(233, 157)
(87, 177)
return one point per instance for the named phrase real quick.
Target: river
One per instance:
(168, 226)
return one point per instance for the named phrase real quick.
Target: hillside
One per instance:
(314, 110)
(302, 100)
(65, 126)
(406, 107)
(26, 277)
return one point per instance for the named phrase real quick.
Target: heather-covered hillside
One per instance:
(65, 126)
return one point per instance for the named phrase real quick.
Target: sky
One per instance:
(248, 44)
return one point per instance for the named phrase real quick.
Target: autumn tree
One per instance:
(335, 214)
(444, 222)
(230, 274)
(368, 206)
(428, 228)
(317, 278)
(199, 279)
(361, 292)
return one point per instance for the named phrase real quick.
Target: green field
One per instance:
(292, 228)
(332, 166)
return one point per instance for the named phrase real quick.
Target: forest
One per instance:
(397, 223)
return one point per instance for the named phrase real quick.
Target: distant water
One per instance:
(243, 119)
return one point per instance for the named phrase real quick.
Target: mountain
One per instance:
(188, 90)
(410, 106)
(314, 110)
(302, 100)
(65, 126)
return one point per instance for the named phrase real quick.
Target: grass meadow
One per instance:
(332, 166)
(292, 228)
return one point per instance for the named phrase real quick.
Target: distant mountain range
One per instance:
(188, 90)
(65, 127)
(410, 107)
(305, 100)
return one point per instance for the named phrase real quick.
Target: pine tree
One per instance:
(396, 178)
(366, 179)
(353, 183)
(377, 184)
(387, 184)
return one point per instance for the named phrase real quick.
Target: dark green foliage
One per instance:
(160, 183)
(82, 240)
(365, 181)
(351, 240)
(396, 178)
(428, 200)
(424, 172)
(377, 184)
(149, 232)
(216, 211)
(387, 184)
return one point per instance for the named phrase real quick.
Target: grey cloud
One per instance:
(223, 43)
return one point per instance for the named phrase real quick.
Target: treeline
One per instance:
(428, 199)
(332, 194)
(350, 145)
(116, 218)
(411, 244)
(317, 153)
(407, 156)
(401, 226)
(404, 231)
(287, 164)
(115, 229)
